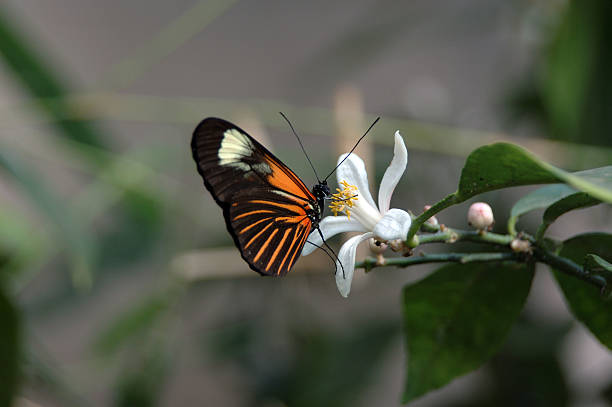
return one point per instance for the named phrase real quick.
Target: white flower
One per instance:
(362, 214)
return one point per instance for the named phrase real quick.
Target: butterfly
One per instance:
(268, 210)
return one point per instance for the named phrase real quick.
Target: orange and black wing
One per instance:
(267, 208)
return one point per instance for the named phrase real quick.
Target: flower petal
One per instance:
(344, 278)
(353, 171)
(394, 225)
(331, 226)
(393, 173)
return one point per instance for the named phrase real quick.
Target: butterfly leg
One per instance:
(334, 253)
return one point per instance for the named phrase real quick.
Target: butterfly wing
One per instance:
(267, 208)
(270, 233)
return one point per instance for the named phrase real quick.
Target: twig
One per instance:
(370, 263)
(567, 266)
(453, 235)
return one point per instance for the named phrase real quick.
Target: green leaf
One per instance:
(457, 318)
(560, 198)
(541, 198)
(538, 199)
(9, 350)
(596, 181)
(569, 203)
(584, 300)
(574, 201)
(503, 165)
(596, 264)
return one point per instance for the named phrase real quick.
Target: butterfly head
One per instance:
(321, 192)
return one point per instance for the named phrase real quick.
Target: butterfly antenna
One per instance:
(353, 149)
(301, 145)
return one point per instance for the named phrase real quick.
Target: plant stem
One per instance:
(542, 230)
(532, 252)
(422, 218)
(567, 266)
(370, 263)
(452, 235)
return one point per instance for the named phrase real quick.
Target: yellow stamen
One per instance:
(344, 199)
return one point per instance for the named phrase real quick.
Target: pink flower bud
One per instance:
(480, 216)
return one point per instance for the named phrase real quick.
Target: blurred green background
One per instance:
(119, 284)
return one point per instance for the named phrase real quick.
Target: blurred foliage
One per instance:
(43, 82)
(133, 224)
(135, 229)
(138, 342)
(607, 393)
(10, 348)
(132, 326)
(529, 362)
(70, 230)
(140, 383)
(526, 372)
(317, 367)
(569, 93)
(43, 373)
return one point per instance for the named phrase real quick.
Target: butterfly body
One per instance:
(268, 210)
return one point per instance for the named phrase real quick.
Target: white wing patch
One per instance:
(236, 146)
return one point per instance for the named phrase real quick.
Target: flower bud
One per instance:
(480, 216)
(377, 247)
(433, 220)
(521, 246)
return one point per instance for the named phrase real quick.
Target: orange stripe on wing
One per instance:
(290, 207)
(277, 251)
(289, 219)
(254, 224)
(264, 246)
(297, 249)
(293, 242)
(245, 214)
(257, 235)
